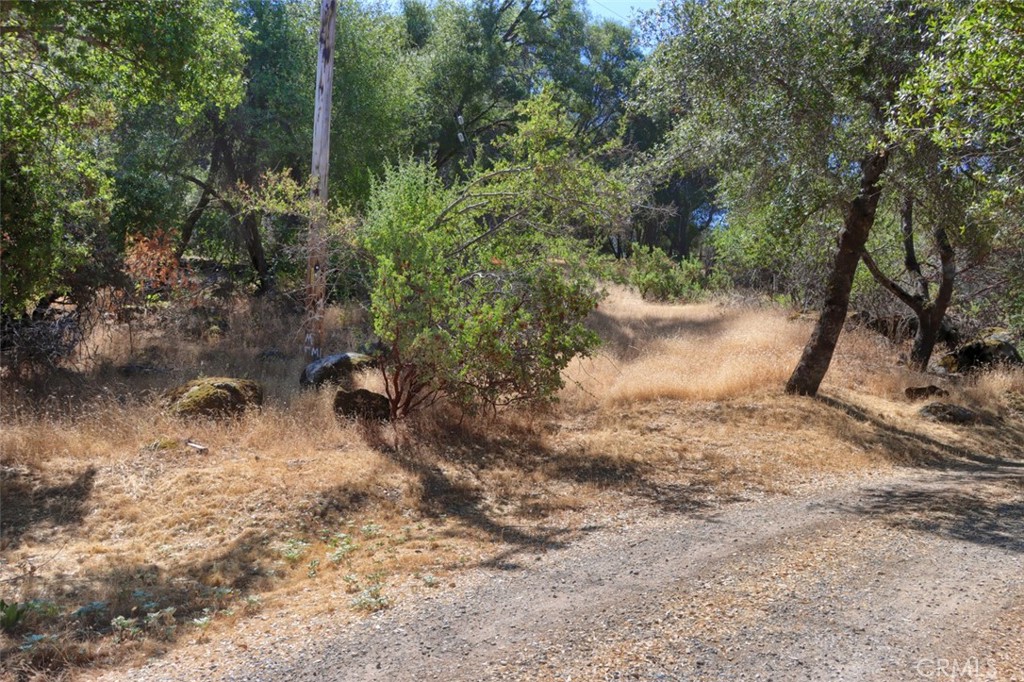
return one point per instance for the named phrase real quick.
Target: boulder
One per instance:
(992, 347)
(949, 413)
(922, 392)
(213, 397)
(333, 368)
(362, 404)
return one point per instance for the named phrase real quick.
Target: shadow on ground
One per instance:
(984, 509)
(458, 473)
(999, 443)
(29, 503)
(129, 601)
(626, 338)
(977, 494)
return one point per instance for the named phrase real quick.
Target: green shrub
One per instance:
(656, 276)
(480, 315)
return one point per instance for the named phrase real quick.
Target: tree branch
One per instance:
(895, 289)
(466, 194)
(490, 231)
(910, 261)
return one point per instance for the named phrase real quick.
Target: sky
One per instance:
(619, 10)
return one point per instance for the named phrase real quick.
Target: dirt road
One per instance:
(912, 577)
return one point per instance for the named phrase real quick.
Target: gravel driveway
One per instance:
(910, 577)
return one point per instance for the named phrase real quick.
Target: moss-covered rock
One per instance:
(949, 413)
(213, 397)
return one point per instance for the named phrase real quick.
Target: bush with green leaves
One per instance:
(482, 321)
(480, 290)
(658, 277)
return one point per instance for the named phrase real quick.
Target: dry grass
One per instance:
(106, 507)
(695, 352)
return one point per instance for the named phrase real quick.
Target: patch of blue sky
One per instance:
(622, 11)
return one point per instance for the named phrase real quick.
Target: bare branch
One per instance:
(913, 302)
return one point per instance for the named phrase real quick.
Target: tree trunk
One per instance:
(197, 211)
(249, 227)
(190, 223)
(860, 216)
(931, 316)
(244, 222)
(930, 313)
(316, 245)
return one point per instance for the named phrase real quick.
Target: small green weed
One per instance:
(351, 582)
(341, 545)
(125, 628)
(294, 550)
(11, 615)
(371, 599)
(161, 623)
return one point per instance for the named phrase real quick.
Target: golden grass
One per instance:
(691, 352)
(104, 500)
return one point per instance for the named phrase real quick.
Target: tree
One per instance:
(968, 94)
(477, 61)
(967, 98)
(268, 129)
(795, 98)
(70, 71)
(933, 199)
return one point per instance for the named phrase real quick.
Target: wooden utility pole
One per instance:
(316, 270)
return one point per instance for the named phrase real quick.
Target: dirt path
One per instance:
(912, 577)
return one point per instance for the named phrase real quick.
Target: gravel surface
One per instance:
(908, 577)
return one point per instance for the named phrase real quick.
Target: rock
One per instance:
(996, 333)
(333, 368)
(213, 397)
(164, 443)
(921, 392)
(949, 413)
(362, 404)
(992, 347)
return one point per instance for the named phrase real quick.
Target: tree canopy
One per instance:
(69, 72)
(771, 146)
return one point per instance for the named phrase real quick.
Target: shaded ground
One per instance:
(885, 579)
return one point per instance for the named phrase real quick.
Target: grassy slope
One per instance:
(104, 503)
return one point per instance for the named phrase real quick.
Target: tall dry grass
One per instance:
(692, 352)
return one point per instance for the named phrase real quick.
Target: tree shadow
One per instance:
(985, 508)
(910, 448)
(136, 600)
(977, 495)
(334, 504)
(28, 502)
(440, 495)
(473, 451)
(626, 337)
